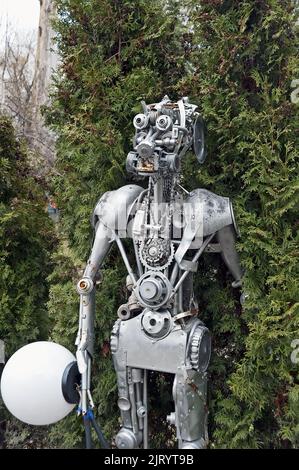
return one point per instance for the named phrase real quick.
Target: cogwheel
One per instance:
(156, 253)
(200, 348)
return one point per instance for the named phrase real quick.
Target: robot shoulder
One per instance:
(216, 211)
(113, 208)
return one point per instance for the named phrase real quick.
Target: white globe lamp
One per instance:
(31, 383)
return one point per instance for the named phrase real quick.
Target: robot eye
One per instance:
(164, 123)
(140, 121)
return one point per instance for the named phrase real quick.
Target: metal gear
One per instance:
(156, 253)
(153, 289)
(200, 348)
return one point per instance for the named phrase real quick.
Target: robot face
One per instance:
(163, 134)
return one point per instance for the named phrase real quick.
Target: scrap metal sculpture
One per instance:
(158, 328)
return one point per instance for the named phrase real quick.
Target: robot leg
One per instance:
(132, 400)
(191, 414)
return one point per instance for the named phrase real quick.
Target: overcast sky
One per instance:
(23, 15)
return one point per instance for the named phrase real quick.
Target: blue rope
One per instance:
(89, 415)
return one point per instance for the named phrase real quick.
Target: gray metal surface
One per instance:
(216, 210)
(166, 355)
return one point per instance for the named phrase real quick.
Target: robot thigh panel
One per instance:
(154, 341)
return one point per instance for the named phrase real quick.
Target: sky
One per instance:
(23, 15)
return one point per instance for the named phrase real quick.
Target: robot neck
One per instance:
(161, 188)
(158, 196)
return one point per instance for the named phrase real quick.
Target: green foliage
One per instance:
(241, 57)
(113, 55)
(63, 313)
(242, 80)
(25, 235)
(25, 240)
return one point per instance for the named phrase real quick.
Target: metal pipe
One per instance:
(78, 338)
(139, 265)
(125, 258)
(194, 259)
(133, 408)
(84, 386)
(139, 404)
(158, 196)
(145, 404)
(185, 190)
(88, 371)
(180, 299)
(141, 195)
(174, 273)
(138, 262)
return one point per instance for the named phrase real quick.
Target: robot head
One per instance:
(164, 133)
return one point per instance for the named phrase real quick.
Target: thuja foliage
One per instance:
(26, 236)
(113, 54)
(243, 69)
(25, 240)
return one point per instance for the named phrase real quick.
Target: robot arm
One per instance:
(86, 290)
(214, 215)
(227, 239)
(109, 218)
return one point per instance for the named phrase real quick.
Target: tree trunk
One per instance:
(46, 62)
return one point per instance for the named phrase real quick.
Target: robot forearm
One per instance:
(86, 290)
(84, 340)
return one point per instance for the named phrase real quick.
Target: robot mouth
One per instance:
(146, 166)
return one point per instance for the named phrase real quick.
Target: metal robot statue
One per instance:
(158, 328)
